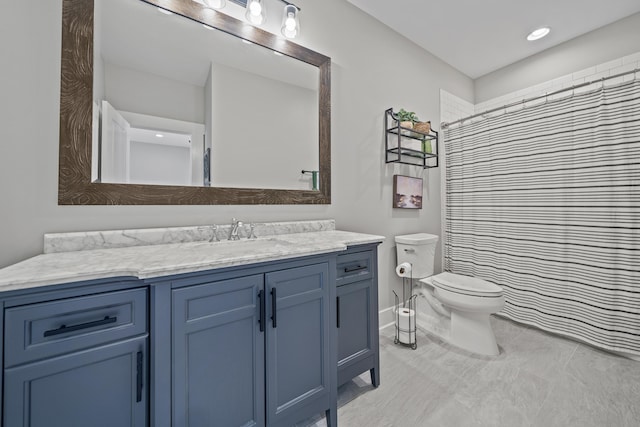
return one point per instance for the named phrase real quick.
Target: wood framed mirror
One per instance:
(76, 183)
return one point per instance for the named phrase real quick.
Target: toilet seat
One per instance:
(466, 285)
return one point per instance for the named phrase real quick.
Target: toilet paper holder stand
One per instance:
(405, 325)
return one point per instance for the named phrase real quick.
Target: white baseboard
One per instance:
(385, 318)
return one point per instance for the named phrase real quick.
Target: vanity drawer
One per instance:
(42, 330)
(354, 266)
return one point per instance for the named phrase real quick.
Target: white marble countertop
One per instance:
(172, 258)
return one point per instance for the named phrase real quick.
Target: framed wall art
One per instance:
(407, 192)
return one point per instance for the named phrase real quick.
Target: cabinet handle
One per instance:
(262, 310)
(274, 320)
(65, 329)
(139, 377)
(337, 312)
(358, 268)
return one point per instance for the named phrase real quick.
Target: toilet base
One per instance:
(473, 332)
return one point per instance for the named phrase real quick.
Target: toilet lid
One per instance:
(466, 285)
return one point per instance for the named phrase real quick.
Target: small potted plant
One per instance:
(406, 119)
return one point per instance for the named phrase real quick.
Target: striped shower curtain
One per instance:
(545, 202)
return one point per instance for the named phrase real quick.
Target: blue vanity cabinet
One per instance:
(79, 361)
(218, 353)
(357, 314)
(95, 387)
(298, 349)
(252, 346)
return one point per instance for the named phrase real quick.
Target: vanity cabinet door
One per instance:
(298, 334)
(357, 315)
(218, 354)
(101, 387)
(356, 349)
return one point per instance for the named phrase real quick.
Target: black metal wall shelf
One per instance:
(404, 145)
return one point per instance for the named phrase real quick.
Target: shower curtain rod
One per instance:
(445, 125)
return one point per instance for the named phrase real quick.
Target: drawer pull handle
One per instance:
(139, 383)
(351, 270)
(274, 309)
(66, 329)
(337, 312)
(262, 310)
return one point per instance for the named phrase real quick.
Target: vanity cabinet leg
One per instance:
(331, 416)
(375, 376)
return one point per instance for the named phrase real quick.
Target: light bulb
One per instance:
(290, 22)
(255, 8)
(256, 12)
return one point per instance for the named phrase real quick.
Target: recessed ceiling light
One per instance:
(165, 11)
(538, 34)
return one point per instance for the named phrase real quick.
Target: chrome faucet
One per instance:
(233, 234)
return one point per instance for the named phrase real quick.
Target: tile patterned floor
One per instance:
(538, 380)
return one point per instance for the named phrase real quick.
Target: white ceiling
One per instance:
(478, 37)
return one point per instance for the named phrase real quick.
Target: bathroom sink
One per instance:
(247, 246)
(259, 242)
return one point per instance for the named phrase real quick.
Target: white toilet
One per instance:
(467, 301)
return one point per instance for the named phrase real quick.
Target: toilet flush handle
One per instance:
(409, 251)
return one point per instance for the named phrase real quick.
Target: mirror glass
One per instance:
(177, 102)
(236, 152)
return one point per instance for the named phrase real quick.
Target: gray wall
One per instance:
(158, 164)
(145, 93)
(373, 69)
(262, 128)
(605, 44)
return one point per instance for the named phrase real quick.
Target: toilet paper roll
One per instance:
(406, 325)
(404, 269)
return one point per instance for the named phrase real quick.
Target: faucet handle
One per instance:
(253, 225)
(252, 234)
(214, 233)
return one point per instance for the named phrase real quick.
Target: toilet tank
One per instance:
(419, 250)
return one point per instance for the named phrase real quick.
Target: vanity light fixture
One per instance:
(159, 135)
(256, 12)
(215, 4)
(538, 34)
(290, 21)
